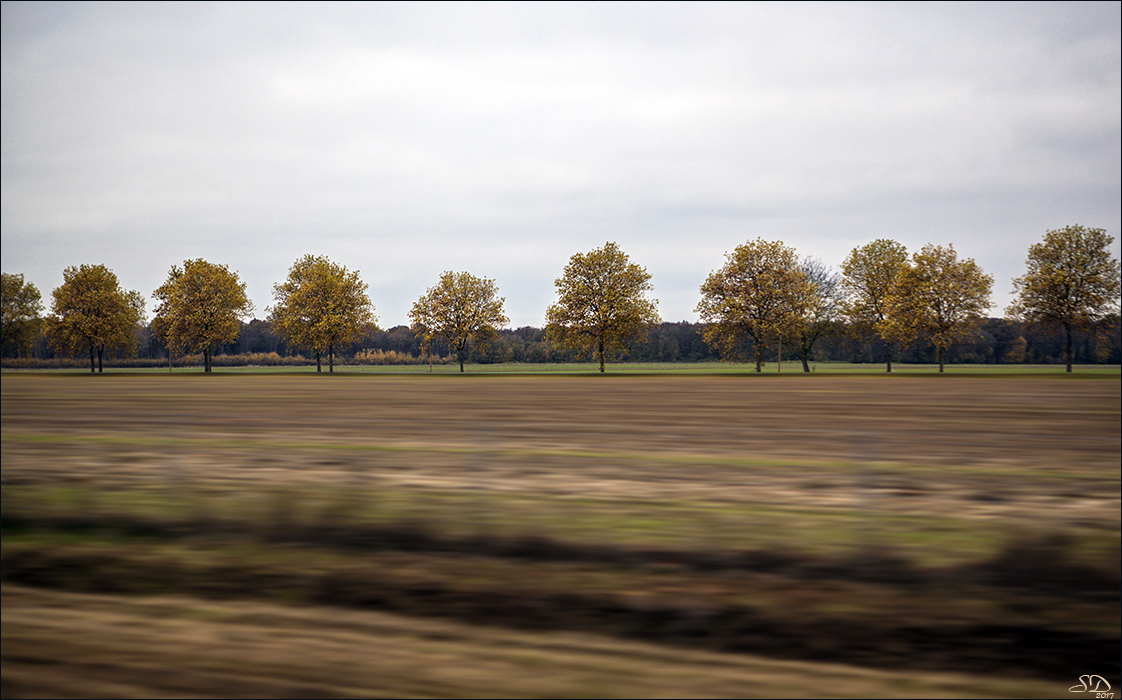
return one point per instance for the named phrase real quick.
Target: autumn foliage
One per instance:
(869, 277)
(460, 309)
(1072, 282)
(762, 292)
(601, 303)
(940, 296)
(201, 304)
(321, 306)
(91, 312)
(761, 302)
(21, 304)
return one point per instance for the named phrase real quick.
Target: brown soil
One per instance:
(656, 480)
(1044, 423)
(1040, 451)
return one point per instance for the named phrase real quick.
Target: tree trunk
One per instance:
(100, 352)
(1067, 353)
(806, 366)
(779, 367)
(91, 359)
(330, 358)
(319, 366)
(940, 352)
(460, 354)
(888, 351)
(206, 361)
(759, 358)
(600, 352)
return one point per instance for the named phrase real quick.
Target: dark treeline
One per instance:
(997, 341)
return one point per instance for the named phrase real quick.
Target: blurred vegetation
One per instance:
(470, 559)
(974, 531)
(189, 647)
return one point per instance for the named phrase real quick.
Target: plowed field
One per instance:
(963, 524)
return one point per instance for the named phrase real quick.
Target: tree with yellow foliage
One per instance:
(762, 292)
(321, 306)
(461, 308)
(91, 312)
(1072, 282)
(939, 295)
(201, 305)
(601, 303)
(22, 304)
(823, 311)
(868, 277)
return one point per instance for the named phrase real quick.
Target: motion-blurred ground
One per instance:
(924, 524)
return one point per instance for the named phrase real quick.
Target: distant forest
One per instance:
(997, 341)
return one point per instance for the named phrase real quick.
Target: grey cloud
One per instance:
(404, 140)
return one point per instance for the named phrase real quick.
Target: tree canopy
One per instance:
(762, 292)
(90, 312)
(868, 278)
(601, 303)
(321, 306)
(21, 305)
(1072, 282)
(940, 296)
(201, 304)
(461, 308)
(823, 310)
(885, 303)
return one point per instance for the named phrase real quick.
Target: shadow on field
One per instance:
(507, 581)
(1034, 563)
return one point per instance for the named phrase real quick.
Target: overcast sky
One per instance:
(405, 140)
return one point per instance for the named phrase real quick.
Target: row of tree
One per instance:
(995, 341)
(763, 299)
